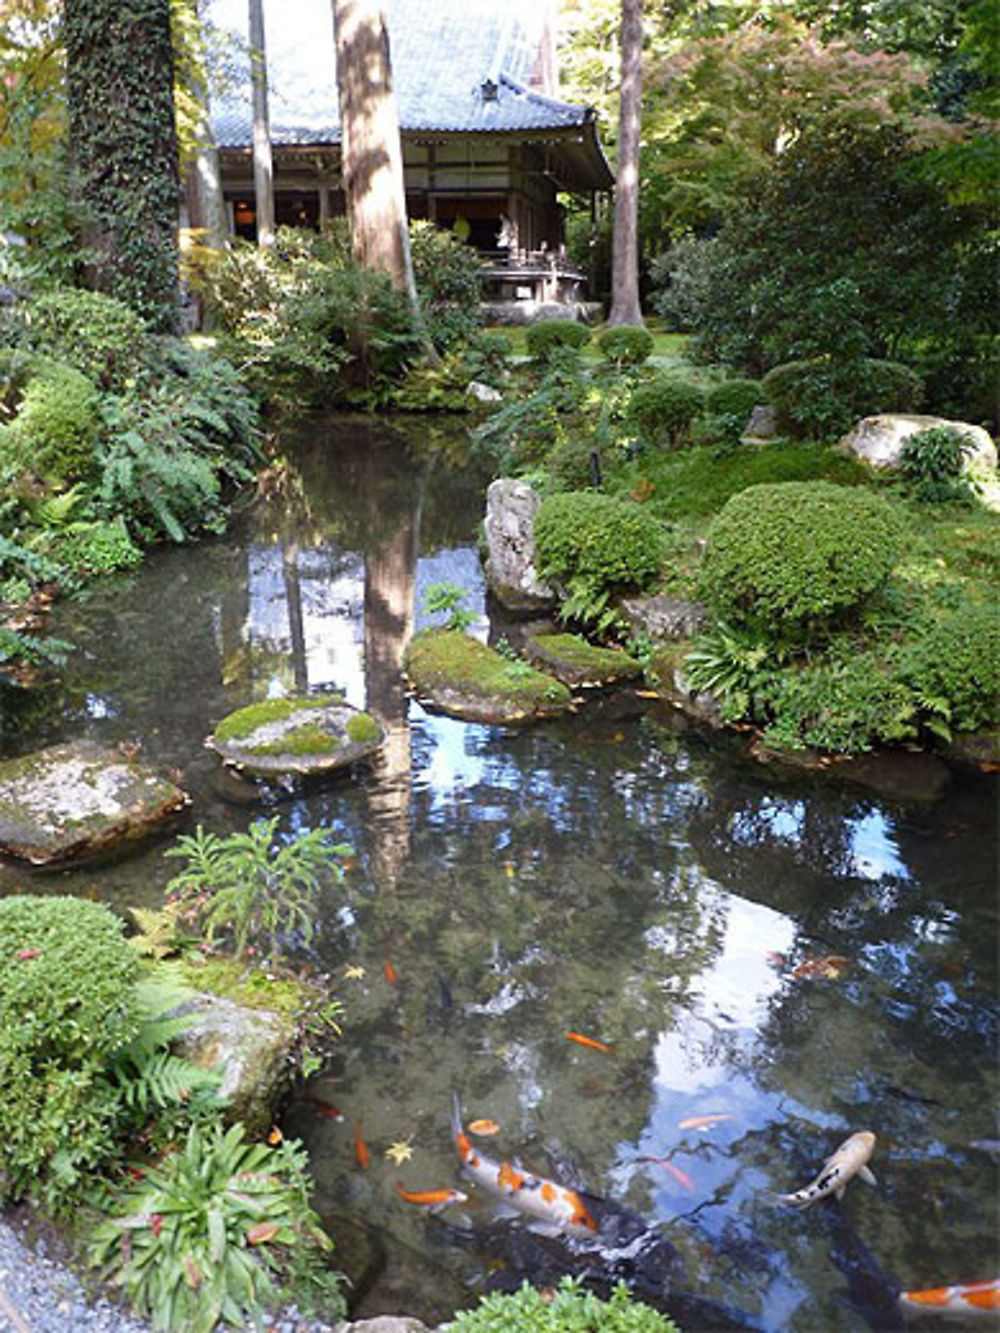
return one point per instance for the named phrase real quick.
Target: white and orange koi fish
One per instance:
(550, 1207)
(850, 1160)
(961, 1302)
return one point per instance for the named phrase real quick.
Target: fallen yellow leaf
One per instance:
(400, 1151)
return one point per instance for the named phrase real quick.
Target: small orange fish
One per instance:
(25, 955)
(821, 969)
(702, 1121)
(361, 1148)
(433, 1199)
(391, 975)
(323, 1108)
(275, 1137)
(592, 1042)
(483, 1127)
(680, 1176)
(973, 1298)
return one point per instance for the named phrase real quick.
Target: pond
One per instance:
(616, 874)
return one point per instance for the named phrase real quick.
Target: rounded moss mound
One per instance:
(580, 664)
(67, 1005)
(596, 541)
(458, 675)
(794, 553)
(298, 735)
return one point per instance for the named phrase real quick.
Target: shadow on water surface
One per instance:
(612, 874)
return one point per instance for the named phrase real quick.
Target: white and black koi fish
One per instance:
(548, 1205)
(850, 1160)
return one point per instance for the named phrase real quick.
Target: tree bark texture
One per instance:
(371, 154)
(625, 308)
(263, 164)
(123, 146)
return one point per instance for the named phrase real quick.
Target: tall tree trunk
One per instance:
(123, 145)
(207, 173)
(625, 307)
(263, 166)
(370, 151)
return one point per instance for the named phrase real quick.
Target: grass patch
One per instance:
(245, 721)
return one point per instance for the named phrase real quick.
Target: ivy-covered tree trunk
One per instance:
(625, 308)
(123, 144)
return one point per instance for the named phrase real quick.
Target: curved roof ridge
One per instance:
(588, 112)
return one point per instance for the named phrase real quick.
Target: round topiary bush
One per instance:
(98, 335)
(544, 337)
(596, 542)
(734, 397)
(662, 409)
(67, 1005)
(625, 346)
(821, 398)
(56, 424)
(797, 552)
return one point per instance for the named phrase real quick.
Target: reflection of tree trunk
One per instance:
(293, 600)
(234, 621)
(263, 167)
(389, 585)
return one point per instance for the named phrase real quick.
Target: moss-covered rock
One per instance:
(296, 735)
(79, 799)
(580, 664)
(665, 675)
(458, 675)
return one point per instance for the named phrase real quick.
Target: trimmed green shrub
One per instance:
(734, 397)
(954, 669)
(662, 409)
(67, 1006)
(596, 545)
(56, 425)
(571, 1309)
(797, 553)
(625, 346)
(933, 462)
(98, 335)
(548, 334)
(821, 398)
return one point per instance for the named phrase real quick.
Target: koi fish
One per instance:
(680, 1176)
(960, 1302)
(551, 1207)
(432, 1200)
(592, 1042)
(821, 969)
(483, 1127)
(361, 1148)
(326, 1109)
(850, 1160)
(703, 1121)
(391, 975)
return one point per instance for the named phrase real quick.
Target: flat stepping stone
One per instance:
(456, 674)
(75, 800)
(579, 664)
(302, 735)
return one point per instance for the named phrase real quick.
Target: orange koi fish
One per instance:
(326, 1109)
(703, 1121)
(361, 1148)
(960, 1302)
(484, 1128)
(551, 1207)
(391, 975)
(433, 1200)
(592, 1042)
(680, 1176)
(821, 969)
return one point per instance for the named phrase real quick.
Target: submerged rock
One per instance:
(458, 675)
(305, 735)
(580, 664)
(879, 440)
(510, 544)
(79, 799)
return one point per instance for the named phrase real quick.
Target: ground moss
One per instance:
(459, 662)
(579, 655)
(246, 720)
(362, 729)
(307, 739)
(279, 993)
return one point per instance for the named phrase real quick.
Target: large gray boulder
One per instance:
(879, 440)
(510, 547)
(80, 799)
(663, 617)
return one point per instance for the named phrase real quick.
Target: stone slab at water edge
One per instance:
(78, 799)
(456, 674)
(579, 664)
(304, 735)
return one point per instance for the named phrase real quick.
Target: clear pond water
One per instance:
(615, 874)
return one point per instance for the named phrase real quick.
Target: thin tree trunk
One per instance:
(263, 166)
(625, 308)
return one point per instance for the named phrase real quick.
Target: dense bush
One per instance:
(570, 1309)
(791, 555)
(735, 397)
(570, 464)
(625, 346)
(933, 463)
(98, 335)
(822, 398)
(67, 1006)
(55, 427)
(448, 282)
(953, 667)
(544, 337)
(596, 545)
(663, 408)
